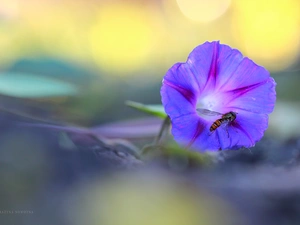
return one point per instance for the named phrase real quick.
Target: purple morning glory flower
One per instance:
(218, 99)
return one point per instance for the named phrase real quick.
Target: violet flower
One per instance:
(214, 81)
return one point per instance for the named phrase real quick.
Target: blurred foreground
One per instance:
(52, 176)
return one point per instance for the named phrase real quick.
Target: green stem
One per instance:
(163, 130)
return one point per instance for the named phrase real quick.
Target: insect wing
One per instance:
(208, 112)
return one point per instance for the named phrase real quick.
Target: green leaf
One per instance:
(155, 110)
(34, 86)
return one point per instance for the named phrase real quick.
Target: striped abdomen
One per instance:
(216, 124)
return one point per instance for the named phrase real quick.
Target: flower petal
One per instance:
(175, 103)
(245, 131)
(193, 132)
(203, 64)
(238, 72)
(179, 91)
(258, 98)
(228, 61)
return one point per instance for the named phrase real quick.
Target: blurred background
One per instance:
(77, 62)
(106, 52)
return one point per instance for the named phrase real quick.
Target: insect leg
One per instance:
(226, 128)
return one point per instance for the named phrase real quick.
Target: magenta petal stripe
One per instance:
(213, 67)
(189, 95)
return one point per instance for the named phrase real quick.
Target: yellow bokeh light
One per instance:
(47, 29)
(9, 9)
(203, 10)
(132, 199)
(183, 34)
(269, 30)
(122, 37)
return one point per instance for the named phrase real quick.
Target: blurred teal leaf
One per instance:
(34, 86)
(155, 110)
